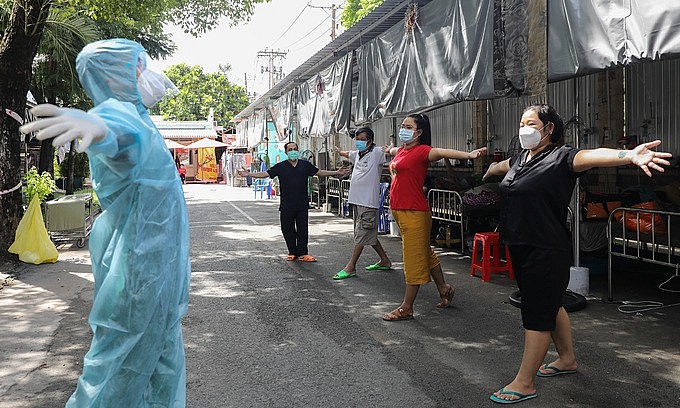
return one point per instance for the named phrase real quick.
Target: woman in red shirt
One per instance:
(412, 213)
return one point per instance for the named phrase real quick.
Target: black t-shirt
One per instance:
(536, 195)
(293, 183)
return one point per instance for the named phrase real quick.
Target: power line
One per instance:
(291, 24)
(332, 15)
(312, 42)
(310, 32)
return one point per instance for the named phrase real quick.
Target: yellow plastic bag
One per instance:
(31, 241)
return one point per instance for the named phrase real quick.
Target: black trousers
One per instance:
(295, 230)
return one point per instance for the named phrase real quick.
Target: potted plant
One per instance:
(40, 185)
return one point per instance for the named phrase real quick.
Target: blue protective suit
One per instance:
(139, 245)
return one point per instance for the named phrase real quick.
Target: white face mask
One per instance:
(530, 137)
(154, 86)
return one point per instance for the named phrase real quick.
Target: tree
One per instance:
(19, 45)
(201, 91)
(54, 76)
(355, 10)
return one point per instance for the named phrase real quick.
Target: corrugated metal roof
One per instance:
(382, 18)
(184, 130)
(187, 134)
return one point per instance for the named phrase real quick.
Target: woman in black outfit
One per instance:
(537, 188)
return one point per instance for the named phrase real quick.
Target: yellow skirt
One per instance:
(419, 258)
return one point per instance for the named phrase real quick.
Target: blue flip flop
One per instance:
(522, 397)
(377, 267)
(555, 371)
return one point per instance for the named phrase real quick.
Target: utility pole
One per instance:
(334, 9)
(275, 70)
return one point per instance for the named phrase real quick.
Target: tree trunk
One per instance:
(46, 161)
(17, 50)
(68, 177)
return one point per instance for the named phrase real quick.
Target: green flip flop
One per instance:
(344, 275)
(377, 267)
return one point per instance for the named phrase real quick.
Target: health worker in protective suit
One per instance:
(139, 244)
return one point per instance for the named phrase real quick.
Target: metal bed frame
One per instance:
(652, 248)
(315, 191)
(383, 210)
(447, 205)
(333, 190)
(344, 198)
(69, 218)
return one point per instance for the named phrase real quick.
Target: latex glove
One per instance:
(66, 124)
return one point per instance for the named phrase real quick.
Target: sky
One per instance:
(298, 27)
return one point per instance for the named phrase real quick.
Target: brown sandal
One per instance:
(446, 298)
(306, 258)
(396, 315)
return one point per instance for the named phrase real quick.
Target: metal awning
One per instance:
(383, 17)
(187, 134)
(188, 130)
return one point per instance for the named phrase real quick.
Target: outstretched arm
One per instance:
(341, 172)
(642, 156)
(438, 153)
(257, 174)
(342, 153)
(66, 124)
(497, 169)
(390, 150)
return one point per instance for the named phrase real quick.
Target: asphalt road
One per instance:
(265, 332)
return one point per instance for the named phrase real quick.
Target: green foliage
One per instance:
(355, 10)
(198, 16)
(193, 16)
(81, 165)
(200, 91)
(41, 185)
(71, 24)
(55, 80)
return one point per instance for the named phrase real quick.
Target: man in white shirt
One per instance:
(364, 197)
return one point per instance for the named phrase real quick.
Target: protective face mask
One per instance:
(406, 135)
(360, 145)
(530, 137)
(293, 155)
(153, 87)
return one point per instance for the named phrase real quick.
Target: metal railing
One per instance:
(333, 190)
(447, 206)
(315, 191)
(656, 247)
(344, 198)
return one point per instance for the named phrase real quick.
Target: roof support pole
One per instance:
(537, 64)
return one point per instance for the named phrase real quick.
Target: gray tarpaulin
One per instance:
(446, 57)
(250, 129)
(323, 101)
(458, 50)
(585, 36)
(282, 112)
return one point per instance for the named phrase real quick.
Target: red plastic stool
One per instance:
(490, 256)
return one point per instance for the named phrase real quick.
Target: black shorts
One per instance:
(542, 276)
